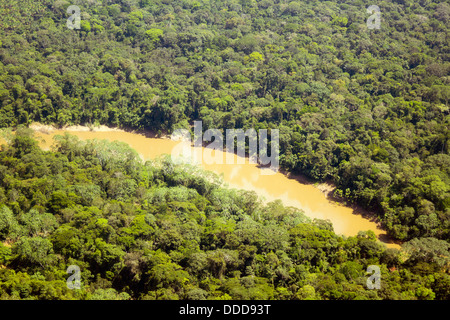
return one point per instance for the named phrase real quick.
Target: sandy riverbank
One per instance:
(45, 128)
(316, 200)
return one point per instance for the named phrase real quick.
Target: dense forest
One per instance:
(158, 231)
(366, 109)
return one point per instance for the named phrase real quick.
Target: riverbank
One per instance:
(48, 129)
(292, 189)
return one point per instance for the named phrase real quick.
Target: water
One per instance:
(292, 190)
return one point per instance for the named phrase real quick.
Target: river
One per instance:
(292, 190)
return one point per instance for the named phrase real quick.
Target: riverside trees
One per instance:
(365, 108)
(175, 237)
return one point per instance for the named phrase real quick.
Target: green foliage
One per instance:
(356, 106)
(85, 25)
(179, 241)
(9, 227)
(5, 253)
(367, 109)
(33, 251)
(108, 294)
(36, 223)
(428, 250)
(154, 34)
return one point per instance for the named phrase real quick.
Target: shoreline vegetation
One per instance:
(160, 231)
(360, 114)
(369, 117)
(326, 187)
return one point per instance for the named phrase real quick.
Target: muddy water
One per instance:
(248, 176)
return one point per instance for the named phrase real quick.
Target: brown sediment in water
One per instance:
(292, 189)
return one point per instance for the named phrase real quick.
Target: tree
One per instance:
(307, 292)
(85, 25)
(351, 270)
(294, 8)
(109, 294)
(66, 241)
(254, 57)
(9, 227)
(154, 35)
(59, 200)
(5, 254)
(36, 223)
(196, 294)
(430, 250)
(35, 251)
(23, 143)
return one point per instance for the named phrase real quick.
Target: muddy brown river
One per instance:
(293, 191)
